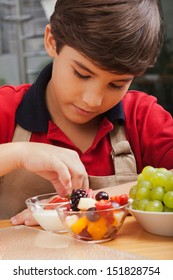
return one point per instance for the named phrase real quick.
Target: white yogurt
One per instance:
(48, 220)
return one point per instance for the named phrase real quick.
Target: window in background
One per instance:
(158, 81)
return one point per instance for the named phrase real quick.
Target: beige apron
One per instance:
(19, 185)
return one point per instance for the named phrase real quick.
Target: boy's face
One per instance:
(79, 91)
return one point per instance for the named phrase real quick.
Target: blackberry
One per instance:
(75, 197)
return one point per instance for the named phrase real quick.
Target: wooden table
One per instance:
(133, 239)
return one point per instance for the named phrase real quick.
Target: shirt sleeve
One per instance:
(10, 98)
(149, 129)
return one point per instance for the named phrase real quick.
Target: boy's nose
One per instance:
(93, 98)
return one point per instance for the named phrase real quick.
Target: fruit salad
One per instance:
(94, 217)
(153, 191)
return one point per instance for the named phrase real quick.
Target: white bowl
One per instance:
(159, 223)
(45, 213)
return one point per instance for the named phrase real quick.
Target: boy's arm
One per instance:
(60, 166)
(118, 189)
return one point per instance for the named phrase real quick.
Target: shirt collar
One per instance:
(32, 113)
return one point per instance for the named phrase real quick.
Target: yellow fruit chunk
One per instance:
(97, 229)
(118, 217)
(79, 225)
(70, 220)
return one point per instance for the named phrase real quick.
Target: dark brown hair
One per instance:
(117, 35)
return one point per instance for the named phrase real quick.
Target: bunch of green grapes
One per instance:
(153, 191)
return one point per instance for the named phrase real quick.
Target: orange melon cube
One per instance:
(79, 225)
(97, 229)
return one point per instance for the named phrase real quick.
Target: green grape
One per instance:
(158, 179)
(143, 193)
(164, 171)
(135, 203)
(132, 192)
(154, 190)
(144, 184)
(157, 193)
(167, 209)
(140, 177)
(147, 172)
(168, 199)
(169, 183)
(142, 204)
(154, 206)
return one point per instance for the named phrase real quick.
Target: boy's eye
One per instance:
(113, 86)
(80, 76)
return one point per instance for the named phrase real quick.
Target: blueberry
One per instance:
(92, 214)
(102, 195)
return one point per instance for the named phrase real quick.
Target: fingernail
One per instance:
(13, 220)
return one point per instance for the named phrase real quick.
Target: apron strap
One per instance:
(123, 160)
(122, 155)
(20, 134)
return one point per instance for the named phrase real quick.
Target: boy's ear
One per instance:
(49, 42)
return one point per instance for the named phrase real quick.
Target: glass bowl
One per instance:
(93, 225)
(43, 209)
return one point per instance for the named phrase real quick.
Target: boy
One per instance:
(78, 121)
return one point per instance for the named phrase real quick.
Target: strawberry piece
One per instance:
(103, 204)
(57, 199)
(109, 216)
(120, 199)
(90, 193)
(115, 198)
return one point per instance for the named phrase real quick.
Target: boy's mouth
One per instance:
(83, 111)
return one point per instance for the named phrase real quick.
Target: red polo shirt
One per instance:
(149, 128)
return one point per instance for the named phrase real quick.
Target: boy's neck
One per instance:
(82, 135)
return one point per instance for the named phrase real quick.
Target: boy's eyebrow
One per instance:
(90, 71)
(84, 67)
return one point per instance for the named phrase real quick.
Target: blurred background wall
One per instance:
(158, 81)
(22, 53)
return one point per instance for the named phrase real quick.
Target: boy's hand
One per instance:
(61, 166)
(24, 218)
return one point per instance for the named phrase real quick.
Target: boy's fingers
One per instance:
(24, 218)
(86, 182)
(72, 176)
(80, 182)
